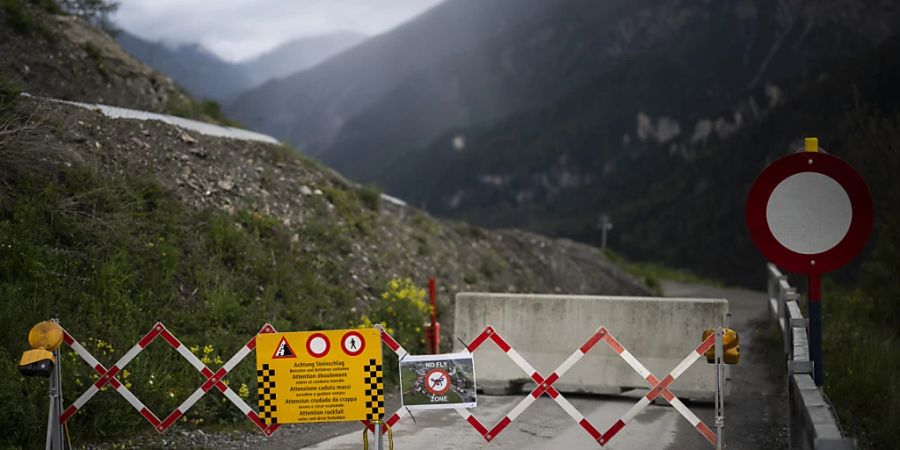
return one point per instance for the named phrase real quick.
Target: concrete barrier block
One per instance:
(800, 367)
(813, 423)
(546, 329)
(834, 444)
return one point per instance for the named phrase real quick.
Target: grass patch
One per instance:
(282, 153)
(652, 274)
(9, 93)
(349, 207)
(370, 196)
(861, 359)
(206, 111)
(95, 55)
(429, 226)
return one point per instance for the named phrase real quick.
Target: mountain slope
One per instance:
(310, 107)
(297, 55)
(193, 67)
(527, 65)
(205, 75)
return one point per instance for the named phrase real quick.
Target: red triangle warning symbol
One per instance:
(284, 350)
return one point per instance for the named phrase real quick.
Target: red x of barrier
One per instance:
(544, 385)
(659, 387)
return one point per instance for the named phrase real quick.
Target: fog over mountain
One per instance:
(205, 75)
(311, 107)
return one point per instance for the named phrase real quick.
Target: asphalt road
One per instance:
(755, 409)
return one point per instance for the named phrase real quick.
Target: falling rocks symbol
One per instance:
(284, 350)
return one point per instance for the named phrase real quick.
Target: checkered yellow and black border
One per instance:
(265, 380)
(374, 379)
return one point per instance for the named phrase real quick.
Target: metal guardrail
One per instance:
(813, 422)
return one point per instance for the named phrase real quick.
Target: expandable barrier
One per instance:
(544, 385)
(213, 379)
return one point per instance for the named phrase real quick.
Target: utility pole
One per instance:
(605, 225)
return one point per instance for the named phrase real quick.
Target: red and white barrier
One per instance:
(544, 385)
(213, 379)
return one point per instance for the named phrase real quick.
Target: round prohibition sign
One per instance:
(809, 212)
(352, 343)
(437, 381)
(317, 345)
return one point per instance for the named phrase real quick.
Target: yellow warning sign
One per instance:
(320, 376)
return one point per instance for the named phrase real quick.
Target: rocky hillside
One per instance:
(383, 239)
(113, 224)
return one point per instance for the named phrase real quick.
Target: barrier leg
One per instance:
(720, 390)
(55, 438)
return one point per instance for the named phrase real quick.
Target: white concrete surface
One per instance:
(207, 129)
(546, 329)
(542, 426)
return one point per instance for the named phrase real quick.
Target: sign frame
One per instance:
(321, 381)
(423, 366)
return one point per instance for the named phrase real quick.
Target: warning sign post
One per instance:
(810, 212)
(320, 376)
(438, 381)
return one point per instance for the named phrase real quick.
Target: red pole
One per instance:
(432, 295)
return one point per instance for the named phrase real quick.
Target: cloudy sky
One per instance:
(241, 29)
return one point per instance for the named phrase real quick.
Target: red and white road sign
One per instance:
(353, 343)
(437, 381)
(317, 345)
(809, 212)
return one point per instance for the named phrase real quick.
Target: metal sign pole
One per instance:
(720, 389)
(605, 225)
(379, 442)
(814, 296)
(55, 438)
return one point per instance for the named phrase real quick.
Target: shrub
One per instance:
(402, 311)
(370, 196)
